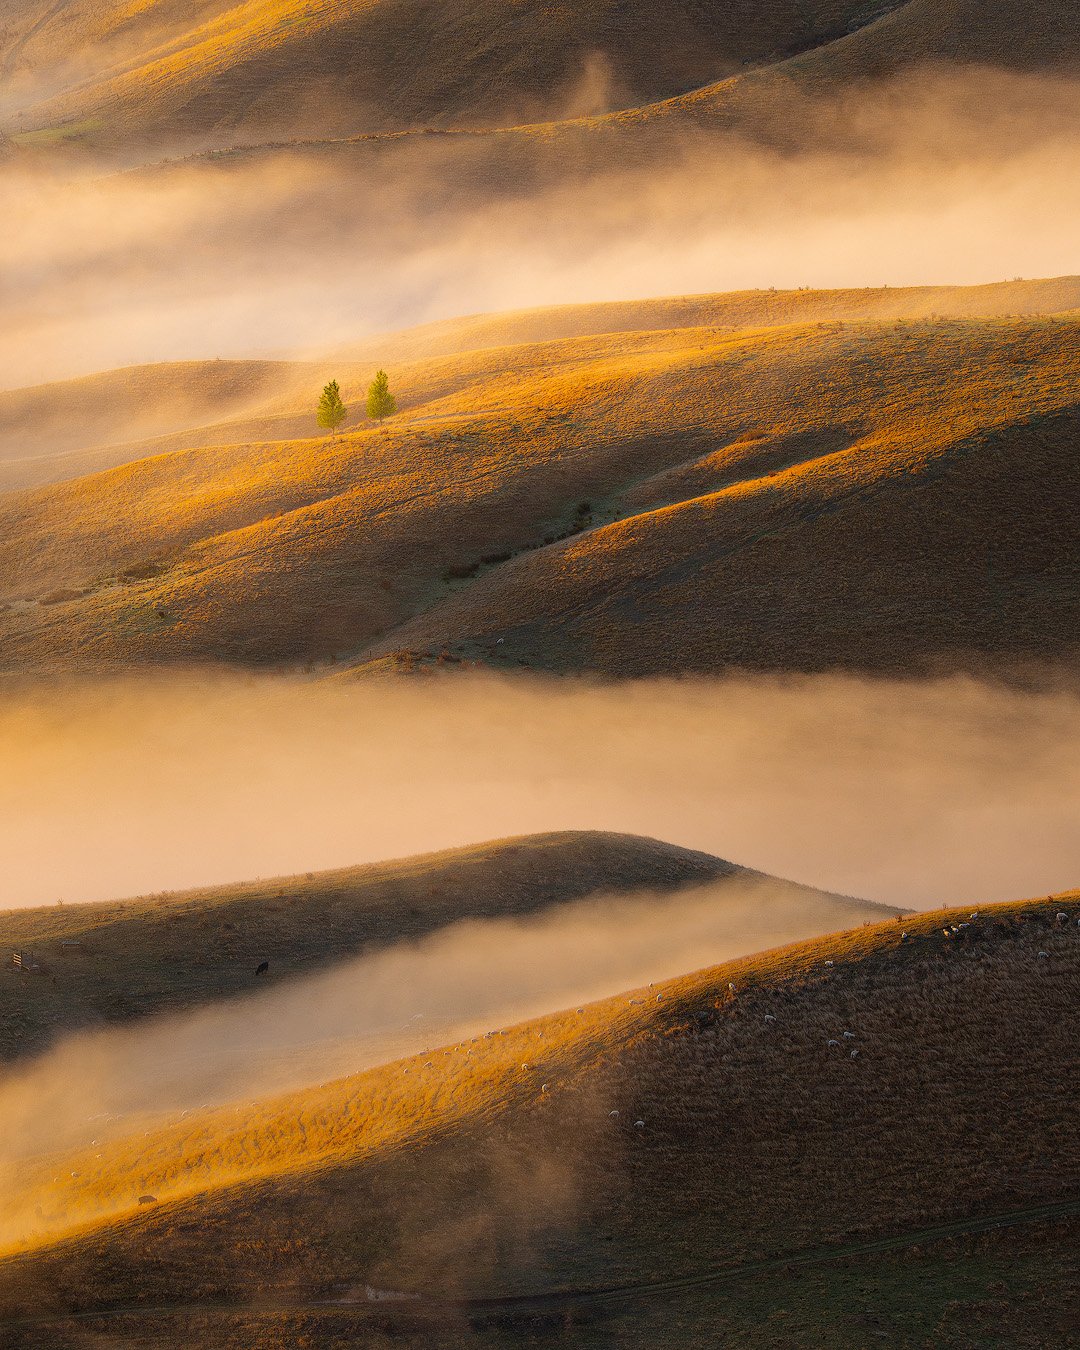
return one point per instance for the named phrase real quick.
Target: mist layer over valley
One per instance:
(284, 250)
(467, 979)
(905, 793)
(539, 629)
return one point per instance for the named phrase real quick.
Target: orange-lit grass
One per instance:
(299, 549)
(640, 1050)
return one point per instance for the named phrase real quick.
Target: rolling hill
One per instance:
(787, 1127)
(158, 954)
(58, 420)
(70, 428)
(1021, 36)
(872, 492)
(211, 75)
(217, 73)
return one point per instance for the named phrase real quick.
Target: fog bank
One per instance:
(952, 179)
(903, 792)
(471, 977)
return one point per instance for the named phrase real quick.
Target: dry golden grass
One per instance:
(332, 67)
(886, 495)
(496, 1165)
(170, 76)
(160, 954)
(122, 415)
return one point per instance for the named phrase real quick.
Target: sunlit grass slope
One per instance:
(160, 954)
(860, 1086)
(880, 494)
(221, 72)
(53, 432)
(67, 429)
(732, 309)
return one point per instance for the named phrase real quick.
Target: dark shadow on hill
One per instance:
(107, 964)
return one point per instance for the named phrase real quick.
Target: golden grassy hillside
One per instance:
(160, 954)
(68, 429)
(130, 405)
(736, 309)
(885, 495)
(852, 1096)
(175, 77)
(248, 72)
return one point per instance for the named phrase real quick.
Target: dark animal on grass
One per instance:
(262, 967)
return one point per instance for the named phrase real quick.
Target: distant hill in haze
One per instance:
(149, 956)
(801, 482)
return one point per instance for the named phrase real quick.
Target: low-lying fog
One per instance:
(906, 793)
(949, 179)
(471, 977)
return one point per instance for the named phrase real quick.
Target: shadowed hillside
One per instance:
(253, 72)
(220, 76)
(164, 953)
(976, 35)
(897, 1082)
(877, 495)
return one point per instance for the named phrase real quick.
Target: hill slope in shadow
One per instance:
(825, 1095)
(161, 954)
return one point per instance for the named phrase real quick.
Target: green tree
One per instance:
(380, 401)
(331, 412)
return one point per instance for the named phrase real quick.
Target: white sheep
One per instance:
(834, 1045)
(613, 1115)
(639, 1124)
(769, 1017)
(849, 1035)
(854, 1054)
(1044, 956)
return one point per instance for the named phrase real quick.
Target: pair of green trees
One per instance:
(331, 412)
